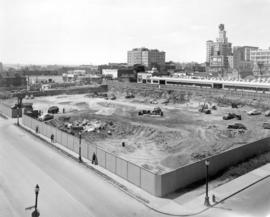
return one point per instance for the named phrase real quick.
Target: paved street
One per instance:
(69, 189)
(66, 188)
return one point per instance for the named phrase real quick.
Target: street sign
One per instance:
(35, 213)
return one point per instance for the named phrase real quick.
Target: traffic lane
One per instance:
(65, 185)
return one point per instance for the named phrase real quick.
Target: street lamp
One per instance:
(206, 201)
(80, 146)
(18, 116)
(36, 191)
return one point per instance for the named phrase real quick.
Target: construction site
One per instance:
(159, 130)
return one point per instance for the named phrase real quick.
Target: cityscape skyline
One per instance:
(62, 32)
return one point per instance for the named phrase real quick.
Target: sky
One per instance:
(102, 31)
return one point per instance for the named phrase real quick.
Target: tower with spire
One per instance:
(218, 53)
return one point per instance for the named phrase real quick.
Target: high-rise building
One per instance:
(209, 50)
(261, 61)
(217, 55)
(146, 57)
(241, 60)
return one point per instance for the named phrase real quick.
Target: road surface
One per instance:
(67, 189)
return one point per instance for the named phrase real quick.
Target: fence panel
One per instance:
(134, 174)
(58, 136)
(48, 130)
(148, 181)
(91, 151)
(23, 117)
(121, 168)
(76, 144)
(101, 158)
(84, 146)
(33, 124)
(41, 128)
(64, 139)
(110, 162)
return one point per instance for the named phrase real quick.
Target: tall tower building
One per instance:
(219, 53)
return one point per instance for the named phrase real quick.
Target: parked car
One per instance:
(237, 126)
(266, 125)
(45, 117)
(267, 113)
(230, 116)
(53, 110)
(153, 102)
(254, 112)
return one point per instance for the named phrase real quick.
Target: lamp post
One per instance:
(80, 146)
(18, 115)
(206, 201)
(36, 191)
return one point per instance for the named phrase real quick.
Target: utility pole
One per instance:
(206, 201)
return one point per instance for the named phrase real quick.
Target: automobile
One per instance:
(53, 110)
(266, 125)
(153, 102)
(237, 126)
(267, 113)
(230, 116)
(45, 117)
(254, 112)
(113, 97)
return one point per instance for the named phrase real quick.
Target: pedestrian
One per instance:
(36, 129)
(123, 144)
(63, 110)
(52, 138)
(94, 159)
(214, 198)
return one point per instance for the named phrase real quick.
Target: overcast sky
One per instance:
(101, 31)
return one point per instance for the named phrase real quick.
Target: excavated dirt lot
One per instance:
(160, 144)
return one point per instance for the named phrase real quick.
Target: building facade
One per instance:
(148, 58)
(261, 61)
(218, 53)
(241, 60)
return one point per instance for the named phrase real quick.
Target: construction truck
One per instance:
(155, 112)
(204, 108)
(129, 95)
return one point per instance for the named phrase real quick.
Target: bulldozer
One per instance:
(204, 108)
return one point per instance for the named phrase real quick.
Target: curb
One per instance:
(3, 116)
(124, 189)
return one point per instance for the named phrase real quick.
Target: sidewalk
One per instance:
(173, 207)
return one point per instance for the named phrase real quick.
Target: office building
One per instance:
(261, 61)
(241, 60)
(147, 57)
